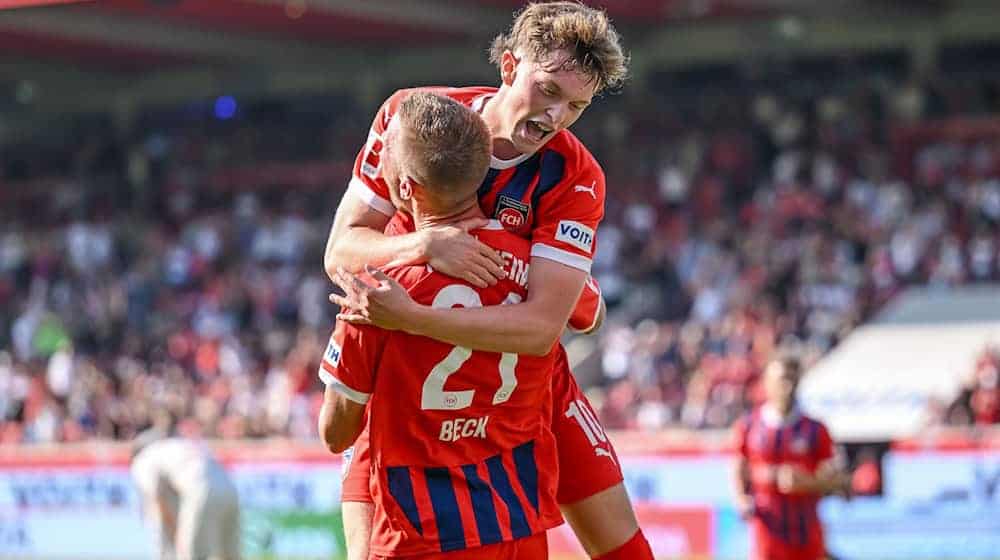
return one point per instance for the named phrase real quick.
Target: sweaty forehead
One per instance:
(572, 83)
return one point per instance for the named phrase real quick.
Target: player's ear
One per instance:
(405, 188)
(508, 67)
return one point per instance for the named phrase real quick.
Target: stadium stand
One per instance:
(738, 221)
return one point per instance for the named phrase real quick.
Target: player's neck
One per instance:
(503, 148)
(781, 414)
(426, 219)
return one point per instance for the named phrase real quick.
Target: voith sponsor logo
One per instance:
(332, 354)
(576, 234)
(454, 430)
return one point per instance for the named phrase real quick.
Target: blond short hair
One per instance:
(445, 144)
(542, 29)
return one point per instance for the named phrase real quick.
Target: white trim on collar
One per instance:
(480, 102)
(497, 163)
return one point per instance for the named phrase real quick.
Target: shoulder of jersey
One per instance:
(419, 280)
(408, 275)
(581, 172)
(503, 240)
(463, 95)
(576, 153)
(814, 420)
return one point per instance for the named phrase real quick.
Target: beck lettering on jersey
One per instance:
(576, 234)
(332, 354)
(454, 430)
(511, 213)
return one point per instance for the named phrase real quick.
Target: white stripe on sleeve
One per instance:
(561, 256)
(330, 381)
(364, 192)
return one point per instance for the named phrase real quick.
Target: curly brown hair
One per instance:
(542, 29)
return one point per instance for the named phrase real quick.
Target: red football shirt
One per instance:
(554, 197)
(585, 313)
(462, 454)
(784, 526)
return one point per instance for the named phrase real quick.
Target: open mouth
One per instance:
(537, 130)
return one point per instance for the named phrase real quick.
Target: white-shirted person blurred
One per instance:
(187, 494)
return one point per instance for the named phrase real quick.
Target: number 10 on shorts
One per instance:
(585, 417)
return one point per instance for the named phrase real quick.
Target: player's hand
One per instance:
(355, 298)
(383, 302)
(843, 486)
(451, 250)
(790, 478)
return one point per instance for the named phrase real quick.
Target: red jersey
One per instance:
(784, 526)
(553, 197)
(461, 449)
(585, 313)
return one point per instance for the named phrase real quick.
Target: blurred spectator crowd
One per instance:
(175, 265)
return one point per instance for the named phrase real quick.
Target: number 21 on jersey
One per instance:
(433, 396)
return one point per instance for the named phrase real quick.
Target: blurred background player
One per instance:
(786, 464)
(188, 497)
(488, 434)
(544, 185)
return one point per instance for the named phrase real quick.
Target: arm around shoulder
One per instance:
(356, 239)
(530, 328)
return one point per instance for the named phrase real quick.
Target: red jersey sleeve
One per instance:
(568, 215)
(351, 359)
(588, 308)
(824, 444)
(740, 430)
(366, 178)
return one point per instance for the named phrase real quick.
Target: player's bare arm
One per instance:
(167, 518)
(357, 517)
(150, 504)
(340, 420)
(154, 502)
(741, 487)
(357, 238)
(833, 479)
(355, 235)
(828, 479)
(530, 328)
